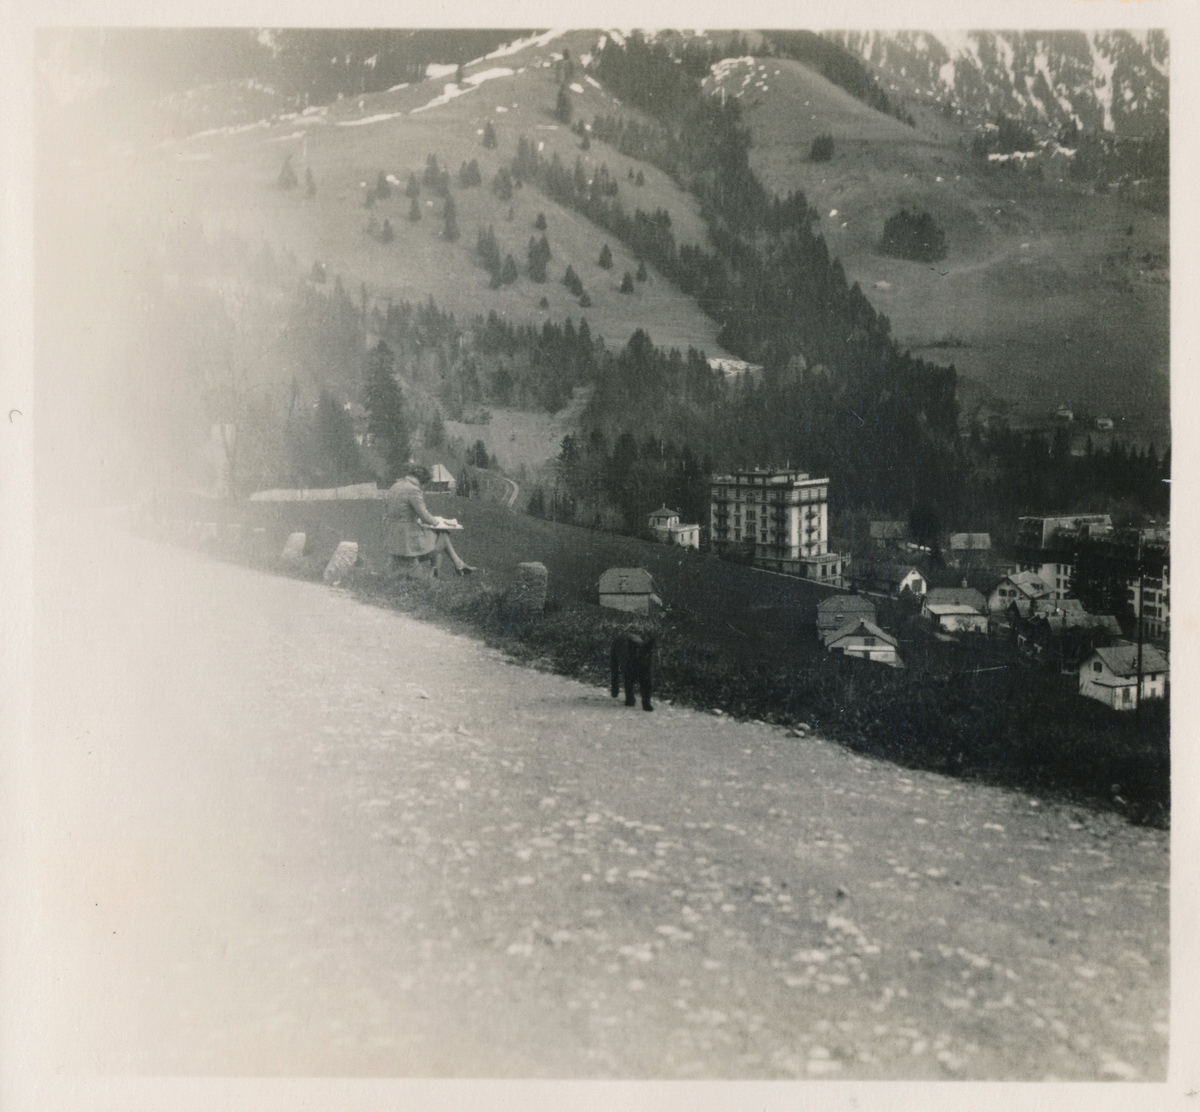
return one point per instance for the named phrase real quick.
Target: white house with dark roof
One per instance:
(666, 526)
(863, 639)
(1022, 589)
(1110, 675)
(956, 610)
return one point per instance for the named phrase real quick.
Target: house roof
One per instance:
(626, 581)
(970, 542)
(663, 513)
(1122, 660)
(946, 609)
(897, 573)
(846, 604)
(1029, 583)
(858, 625)
(1048, 606)
(440, 474)
(888, 530)
(956, 596)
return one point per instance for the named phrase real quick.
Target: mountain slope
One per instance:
(224, 178)
(1051, 293)
(1114, 80)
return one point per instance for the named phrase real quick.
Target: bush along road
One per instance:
(281, 830)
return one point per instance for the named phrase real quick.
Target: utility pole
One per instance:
(1141, 600)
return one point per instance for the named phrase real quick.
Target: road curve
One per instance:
(280, 831)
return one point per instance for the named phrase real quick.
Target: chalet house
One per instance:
(889, 579)
(1110, 675)
(888, 532)
(969, 549)
(863, 639)
(630, 589)
(440, 479)
(1064, 639)
(665, 525)
(956, 610)
(1020, 589)
(836, 610)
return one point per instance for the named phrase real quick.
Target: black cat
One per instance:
(633, 657)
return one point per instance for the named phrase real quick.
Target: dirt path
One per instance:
(280, 831)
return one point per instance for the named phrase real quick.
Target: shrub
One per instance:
(913, 235)
(822, 148)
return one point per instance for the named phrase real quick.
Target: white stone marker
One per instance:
(293, 550)
(345, 556)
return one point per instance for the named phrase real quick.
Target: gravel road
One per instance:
(279, 831)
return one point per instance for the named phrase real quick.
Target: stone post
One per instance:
(528, 597)
(345, 556)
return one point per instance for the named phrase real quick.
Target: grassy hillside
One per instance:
(741, 641)
(1046, 297)
(226, 179)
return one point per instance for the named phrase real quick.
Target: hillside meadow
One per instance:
(225, 179)
(1050, 294)
(740, 641)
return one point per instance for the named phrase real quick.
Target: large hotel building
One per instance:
(779, 518)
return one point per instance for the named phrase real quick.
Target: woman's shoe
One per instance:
(466, 569)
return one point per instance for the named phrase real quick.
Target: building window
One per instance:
(1097, 667)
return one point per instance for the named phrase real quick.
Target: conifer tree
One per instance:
(508, 273)
(383, 188)
(641, 270)
(433, 174)
(387, 422)
(627, 283)
(502, 184)
(413, 188)
(540, 222)
(489, 136)
(450, 213)
(414, 211)
(606, 259)
(489, 252)
(562, 108)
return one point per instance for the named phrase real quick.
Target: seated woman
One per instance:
(411, 531)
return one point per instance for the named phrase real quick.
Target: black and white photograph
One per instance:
(588, 555)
